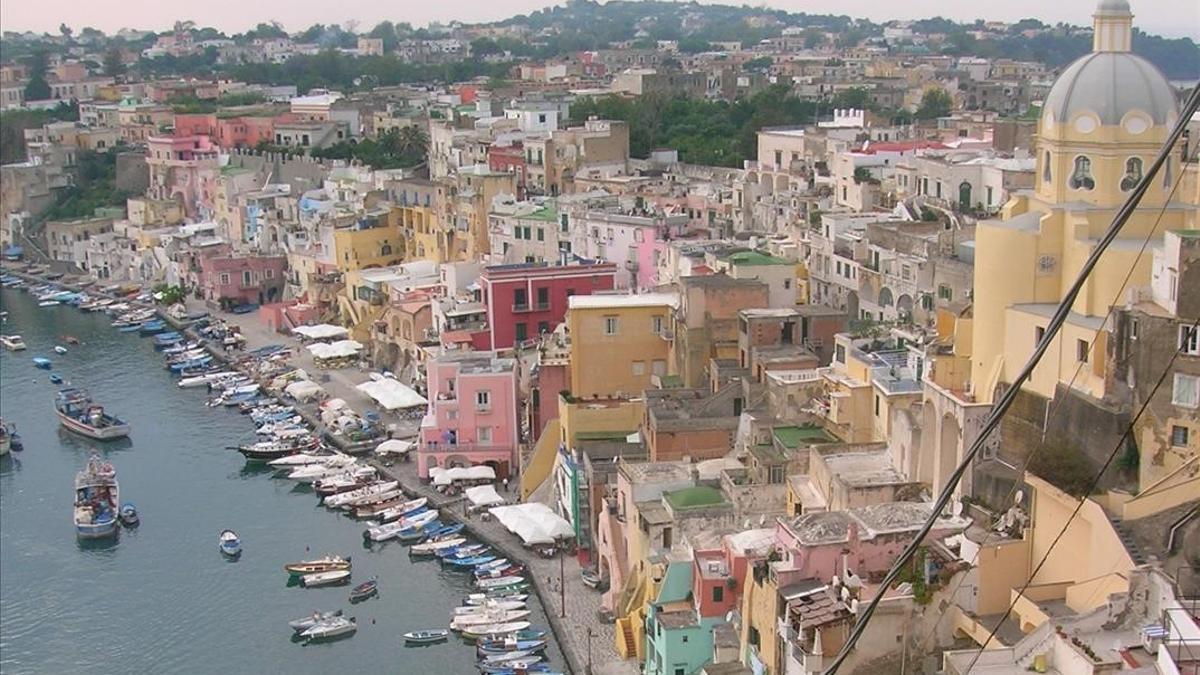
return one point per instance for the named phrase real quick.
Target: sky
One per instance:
(1171, 18)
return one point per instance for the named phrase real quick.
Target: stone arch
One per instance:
(452, 461)
(781, 183)
(904, 305)
(852, 305)
(886, 299)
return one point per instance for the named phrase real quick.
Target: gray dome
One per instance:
(1111, 84)
(1113, 6)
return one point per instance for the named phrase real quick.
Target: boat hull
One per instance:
(96, 530)
(108, 433)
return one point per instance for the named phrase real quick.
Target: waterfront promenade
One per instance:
(582, 603)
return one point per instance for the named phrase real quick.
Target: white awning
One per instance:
(322, 331)
(392, 394)
(449, 476)
(483, 495)
(303, 390)
(393, 447)
(534, 523)
(334, 350)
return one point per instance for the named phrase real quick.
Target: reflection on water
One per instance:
(106, 544)
(69, 439)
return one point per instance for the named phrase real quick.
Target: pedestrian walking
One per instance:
(506, 483)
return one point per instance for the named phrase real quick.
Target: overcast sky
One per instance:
(1173, 18)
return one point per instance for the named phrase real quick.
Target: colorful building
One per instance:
(472, 416)
(525, 301)
(243, 280)
(617, 342)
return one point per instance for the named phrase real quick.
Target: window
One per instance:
(1179, 436)
(1081, 351)
(224, 279)
(1081, 178)
(945, 292)
(522, 331)
(877, 405)
(659, 367)
(611, 325)
(656, 325)
(484, 435)
(246, 277)
(543, 297)
(1133, 174)
(541, 234)
(1133, 329)
(778, 157)
(520, 299)
(1189, 340)
(562, 223)
(718, 594)
(1187, 391)
(483, 400)
(639, 368)
(269, 273)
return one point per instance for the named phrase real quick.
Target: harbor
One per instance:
(188, 488)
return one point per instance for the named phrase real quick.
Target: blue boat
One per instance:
(504, 646)
(131, 328)
(129, 515)
(152, 327)
(198, 362)
(413, 534)
(164, 340)
(444, 530)
(470, 562)
(40, 362)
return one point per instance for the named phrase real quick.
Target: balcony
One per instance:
(521, 308)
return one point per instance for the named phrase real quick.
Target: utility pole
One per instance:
(562, 577)
(590, 635)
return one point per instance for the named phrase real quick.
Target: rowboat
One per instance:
(327, 564)
(389, 530)
(495, 629)
(490, 606)
(519, 665)
(464, 621)
(499, 582)
(325, 578)
(432, 547)
(229, 543)
(364, 590)
(401, 510)
(510, 644)
(484, 598)
(424, 637)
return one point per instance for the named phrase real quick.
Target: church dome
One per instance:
(1110, 85)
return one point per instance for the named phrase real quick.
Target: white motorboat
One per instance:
(348, 498)
(13, 343)
(301, 625)
(462, 621)
(429, 548)
(202, 380)
(492, 605)
(311, 472)
(400, 510)
(298, 459)
(332, 628)
(484, 598)
(390, 530)
(495, 629)
(325, 578)
(385, 497)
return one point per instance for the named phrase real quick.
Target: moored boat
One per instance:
(432, 547)
(301, 625)
(332, 628)
(59, 349)
(365, 590)
(96, 497)
(42, 362)
(495, 629)
(129, 515)
(329, 578)
(78, 413)
(424, 637)
(13, 343)
(363, 493)
(328, 563)
(229, 543)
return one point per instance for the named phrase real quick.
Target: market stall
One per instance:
(535, 523)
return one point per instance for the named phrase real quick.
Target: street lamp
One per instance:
(590, 635)
(562, 577)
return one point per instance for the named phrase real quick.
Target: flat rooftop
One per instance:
(601, 301)
(863, 469)
(699, 496)
(654, 472)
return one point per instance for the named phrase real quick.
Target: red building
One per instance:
(510, 158)
(246, 280)
(528, 299)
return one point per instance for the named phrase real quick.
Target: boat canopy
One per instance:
(392, 394)
(323, 331)
(393, 447)
(483, 495)
(443, 476)
(535, 523)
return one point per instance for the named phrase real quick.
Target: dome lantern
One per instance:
(1113, 27)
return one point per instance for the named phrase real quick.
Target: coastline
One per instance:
(586, 643)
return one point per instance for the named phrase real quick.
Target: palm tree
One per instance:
(413, 141)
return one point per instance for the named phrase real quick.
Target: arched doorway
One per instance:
(904, 305)
(852, 305)
(948, 442)
(885, 297)
(964, 196)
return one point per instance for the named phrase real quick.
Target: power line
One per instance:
(1057, 403)
(1009, 396)
(1082, 500)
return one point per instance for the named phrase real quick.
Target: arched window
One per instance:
(1133, 173)
(1081, 177)
(1046, 167)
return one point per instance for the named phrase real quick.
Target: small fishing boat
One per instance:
(129, 515)
(327, 564)
(59, 349)
(506, 657)
(484, 598)
(469, 551)
(363, 494)
(426, 637)
(152, 327)
(78, 413)
(401, 510)
(330, 578)
(266, 451)
(499, 582)
(510, 644)
(96, 498)
(43, 363)
(522, 664)
(336, 627)
(13, 343)
(365, 590)
(390, 530)
(495, 629)
(432, 547)
(464, 621)
(70, 339)
(49, 303)
(229, 543)
(55, 378)
(490, 606)
(301, 625)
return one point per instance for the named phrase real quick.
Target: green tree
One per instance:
(267, 31)
(386, 31)
(854, 97)
(114, 64)
(935, 102)
(814, 38)
(693, 45)
(37, 89)
(485, 46)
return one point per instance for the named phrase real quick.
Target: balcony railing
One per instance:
(520, 307)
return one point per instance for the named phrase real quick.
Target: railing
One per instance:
(518, 308)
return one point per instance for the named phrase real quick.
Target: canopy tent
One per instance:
(334, 350)
(392, 394)
(303, 390)
(534, 523)
(449, 476)
(483, 495)
(322, 331)
(394, 447)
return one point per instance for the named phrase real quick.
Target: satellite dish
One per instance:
(729, 616)
(1019, 496)
(957, 509)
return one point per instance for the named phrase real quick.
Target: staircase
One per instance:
(1130, 544)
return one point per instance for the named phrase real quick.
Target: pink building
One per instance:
(472, 416)
(248, 280)
(227, 132)
(182, 168)
(635, 240)
(717, 574)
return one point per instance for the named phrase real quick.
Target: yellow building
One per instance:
(1102, 124)
(373, 241)
(616, 342)
(424, 236)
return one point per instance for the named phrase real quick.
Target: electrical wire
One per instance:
(1009, 396)
(1057, 402)
(1082, 500)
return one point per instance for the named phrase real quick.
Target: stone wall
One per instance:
(133, 175)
